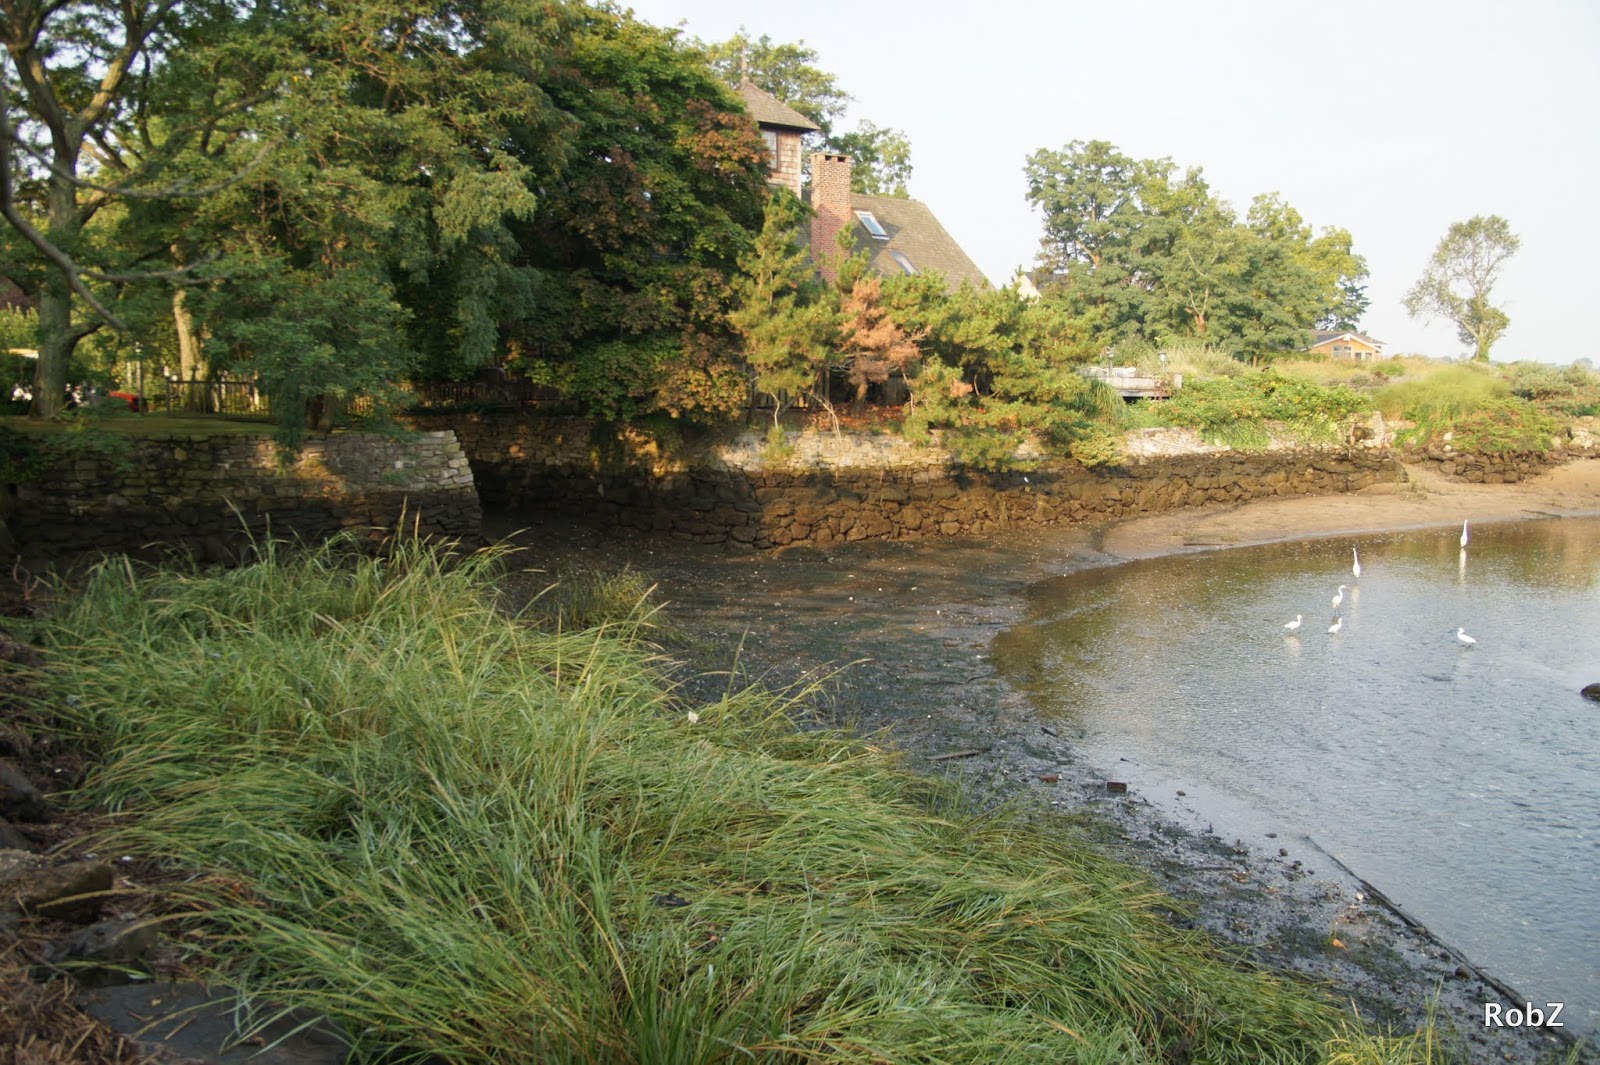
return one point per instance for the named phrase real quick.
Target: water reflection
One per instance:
(1465, 780)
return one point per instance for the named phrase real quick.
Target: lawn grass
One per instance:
(465, 835)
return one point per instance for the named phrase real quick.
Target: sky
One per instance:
(1389, 119)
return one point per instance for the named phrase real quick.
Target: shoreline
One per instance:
(916, 618)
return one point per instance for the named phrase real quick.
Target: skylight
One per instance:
(873, 225)
(905, 264)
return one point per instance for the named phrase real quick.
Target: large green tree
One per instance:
(1136, 249)
(1460, 279)
(658, 192)
(80, 131)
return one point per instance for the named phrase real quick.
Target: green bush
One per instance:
(1503, 426)
(1237, 410)
(1098, 445)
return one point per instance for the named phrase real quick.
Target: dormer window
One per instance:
(905, 264)
(873, 226)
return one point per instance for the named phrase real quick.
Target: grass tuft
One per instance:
(466, 837)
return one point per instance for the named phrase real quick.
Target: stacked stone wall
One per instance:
(211, 494)
(727, 496)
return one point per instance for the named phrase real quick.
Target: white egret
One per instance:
(1338, 597)
(1466, 641)
(1338, 623)
(1464, 534)
(1355, 564)
(1294, 625)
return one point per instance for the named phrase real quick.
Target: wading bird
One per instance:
(1466, 641)
(1338, 597)
(1294, 625)
(1338, 623)
(1464, 534)
(1355, 564)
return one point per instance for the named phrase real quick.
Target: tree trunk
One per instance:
(58, 337)
(191, 360)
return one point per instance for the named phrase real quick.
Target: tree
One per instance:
(1460, 277)
(657, 190)
(71, 102)
(1137, 250)
(780, 309)
(872, 344)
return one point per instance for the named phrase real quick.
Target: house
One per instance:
(899, 235)
(783, 128)
(1345, 344)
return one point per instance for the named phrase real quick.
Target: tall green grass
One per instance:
(460, 835)
(1471, 406)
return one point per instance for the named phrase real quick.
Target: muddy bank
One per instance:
(902, 632)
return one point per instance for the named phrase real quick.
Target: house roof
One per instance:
(1322, 336)
(913, 232)
(768, 110)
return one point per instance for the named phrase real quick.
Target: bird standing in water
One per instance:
(1294, 625)
(1338, 623)
(1338, 597)
(1355, 564)
(1464, 534)
(1466, 641)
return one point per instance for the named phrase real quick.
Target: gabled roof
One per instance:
(768, 110)
(1322, 336)
(916, 234)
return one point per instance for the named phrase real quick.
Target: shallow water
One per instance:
(1464, 781)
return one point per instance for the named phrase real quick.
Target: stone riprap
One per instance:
(211, 495)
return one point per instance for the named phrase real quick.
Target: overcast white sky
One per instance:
(1391, 119)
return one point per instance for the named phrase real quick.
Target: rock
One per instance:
(14, 650)
(19, 799)
(30, 884)
(193, 1023)
(12, 839)
(117, 950)
(1591, 691)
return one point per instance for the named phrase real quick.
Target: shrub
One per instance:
(1236, 410)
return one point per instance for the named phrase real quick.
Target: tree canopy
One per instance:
(1460, 278)
(1139, 250)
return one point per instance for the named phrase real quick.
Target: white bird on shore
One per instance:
(1464, 537)
(1466, 641)
(1355, 564)
(1294, 625)
(1338, 623)
(1338, 597)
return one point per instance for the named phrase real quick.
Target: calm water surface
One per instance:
(1464, 782)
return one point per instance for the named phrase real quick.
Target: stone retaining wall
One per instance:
(210, 494)
(727, 496)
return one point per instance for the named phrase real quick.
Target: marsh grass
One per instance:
(1474, 406)
(459, 834)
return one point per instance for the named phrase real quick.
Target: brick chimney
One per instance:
(830, 200)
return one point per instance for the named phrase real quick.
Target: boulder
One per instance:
(1591, 691)
(19, 799)
(30, 884)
